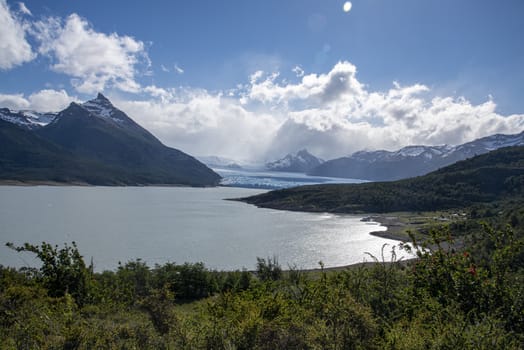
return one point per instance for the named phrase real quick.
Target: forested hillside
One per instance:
(495, 176)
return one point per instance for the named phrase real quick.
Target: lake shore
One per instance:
(396, 229)
(85, 184)
(40, 183)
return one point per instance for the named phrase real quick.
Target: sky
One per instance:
(255, 80)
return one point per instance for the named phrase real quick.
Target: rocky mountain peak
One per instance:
(300, 162)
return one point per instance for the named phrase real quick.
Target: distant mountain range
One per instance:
(492, 177)
(219, 162)
(301, 162)
(410, 161)
(93, 143)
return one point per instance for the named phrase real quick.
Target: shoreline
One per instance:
(85, 184)
(395, 228)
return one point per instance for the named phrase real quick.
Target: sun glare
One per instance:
(347, 6)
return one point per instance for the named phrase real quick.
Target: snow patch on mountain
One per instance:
(302, 161)
(411, 161)
(102, 107)
(27, 119)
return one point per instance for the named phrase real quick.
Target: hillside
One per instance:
(26, 157)
(94, 143)
(490, 177)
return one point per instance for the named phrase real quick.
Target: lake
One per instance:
(177, 224)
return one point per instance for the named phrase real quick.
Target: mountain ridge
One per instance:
(300, 162)
(410, 161)
(98, 134)
(487, 178)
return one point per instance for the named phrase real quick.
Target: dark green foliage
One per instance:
(63, 271)
(495, 176)
(268, 270)
(467, 296)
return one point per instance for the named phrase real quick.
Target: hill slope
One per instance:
(25, 157)
(96, 143)
(490, 177)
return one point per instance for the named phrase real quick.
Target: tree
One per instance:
(63, 271)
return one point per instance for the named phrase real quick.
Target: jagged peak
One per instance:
(100, 106)
(99, 100)
(73, 105)
(99, 96)
(303, 151)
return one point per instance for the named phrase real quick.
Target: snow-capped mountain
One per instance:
(101, 107)
(410, 161)
(92, 142)
(424, 152)
(27, 119)
(489, 143)
(300, 162)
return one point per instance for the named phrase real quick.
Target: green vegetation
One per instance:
(492, 177)
(464, 291)
(452, 298)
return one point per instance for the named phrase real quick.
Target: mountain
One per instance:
(410, 161)
(26, 119)
(488, 178)
(300, 162)
(26, 157)
(103, 141)
(219, 162)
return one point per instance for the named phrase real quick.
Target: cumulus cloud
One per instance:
(42, 101)
(314, 89)
(14, 48)
(203, 123)
(95, 60)
(342, 116)
(14, 101)
(50, 100)
(332, 114)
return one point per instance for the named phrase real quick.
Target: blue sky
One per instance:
(412, 71)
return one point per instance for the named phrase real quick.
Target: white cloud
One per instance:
(13, 101)
(95, 60)
(331, 114)
(298, 71)
(23, 9)
(313, 89)
(14, 48)
(42, 101)
(50, 100)
(334, 114)
(203, 123)
(178, 69)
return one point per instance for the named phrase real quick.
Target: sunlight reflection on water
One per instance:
(177, 224)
